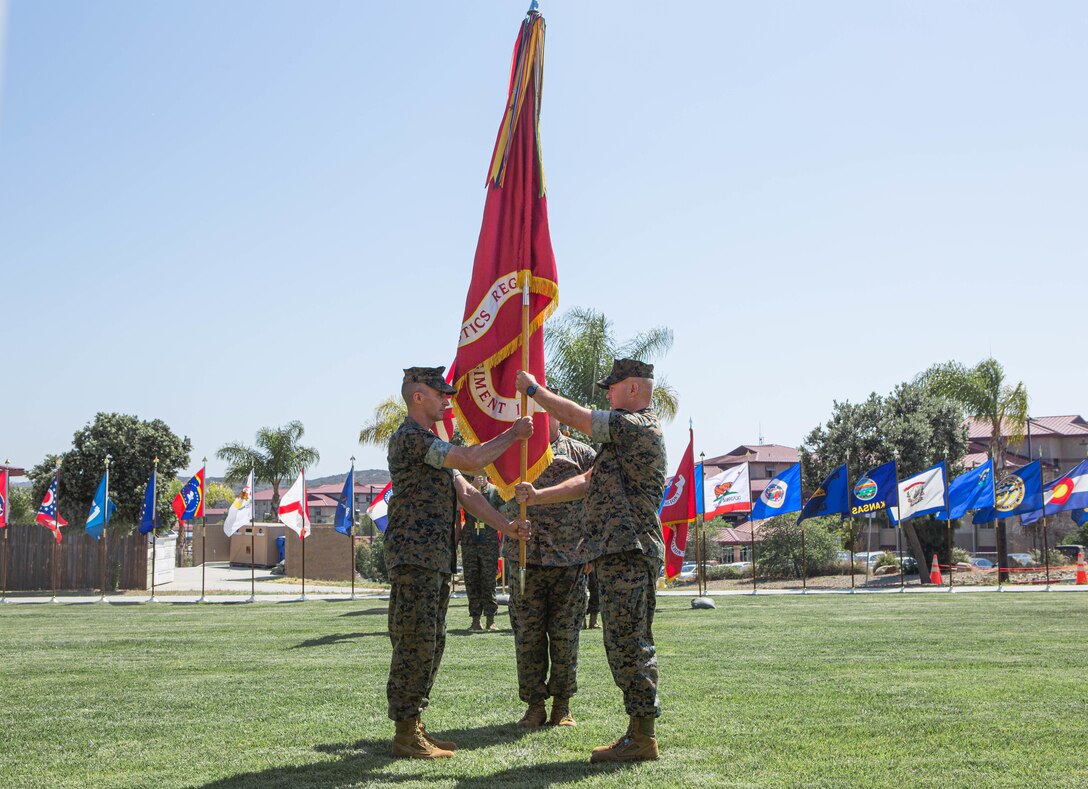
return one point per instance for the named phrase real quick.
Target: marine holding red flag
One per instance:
(677, 511)
(514, 248)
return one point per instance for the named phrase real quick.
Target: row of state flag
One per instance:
(1021, 492)
(294, 511)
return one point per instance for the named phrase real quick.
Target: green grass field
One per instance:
(878, 690)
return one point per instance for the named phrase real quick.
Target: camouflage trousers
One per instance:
(628, 600)
(547, 622)
(594, 594)
(418, 599)
(481, 563)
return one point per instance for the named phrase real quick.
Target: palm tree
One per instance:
(388, 415)
(581, 346)
(986, 395)
(276, 456)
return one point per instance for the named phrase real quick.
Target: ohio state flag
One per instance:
(677, 511)
(514, 249)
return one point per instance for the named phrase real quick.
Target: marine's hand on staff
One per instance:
(523, 428)
(519, 529)
(525, 493)
(524, 381)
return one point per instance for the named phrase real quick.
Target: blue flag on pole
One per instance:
(1067, 492)
(345, 515)
(781, 496)
(831, 498)
(102, 510)
(1018, 493)
(148, 520)
(875, 490)
(1080, 517)
(971, 490)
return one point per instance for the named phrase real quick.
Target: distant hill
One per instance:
(363, 476)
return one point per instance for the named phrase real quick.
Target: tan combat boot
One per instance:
(409, 742)
(475, 624)
(593, 622)
(534, 717)
(490, 622)
(445, 745)
(634, 746)
(561, 713)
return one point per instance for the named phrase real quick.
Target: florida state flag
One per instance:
(677, 511)
(514, 248)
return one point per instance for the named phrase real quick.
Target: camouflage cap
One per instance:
(626, 368)
(434, 377)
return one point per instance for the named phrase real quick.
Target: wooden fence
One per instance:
(30, 555)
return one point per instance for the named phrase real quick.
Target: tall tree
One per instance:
(581, 346)
(984, 393)
(276, 456)
(388, 415)
(912, 426)
(133, 444)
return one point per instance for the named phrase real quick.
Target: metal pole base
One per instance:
(251, 599)
(302, 598)
(202, 599)
(152, 599)
(103, 599)
(54, 600)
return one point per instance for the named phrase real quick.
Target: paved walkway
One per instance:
(226, 584)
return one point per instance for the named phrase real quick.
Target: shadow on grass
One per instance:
(368, 612)
(337, 638)
(367, 761)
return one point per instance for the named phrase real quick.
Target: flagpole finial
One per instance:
(204, 460)
(533, 6)
(353, 458)
(108, 459)
(58, 462)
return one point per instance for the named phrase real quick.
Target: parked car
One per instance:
(688, 571)
(1071, 551)
(981, 564)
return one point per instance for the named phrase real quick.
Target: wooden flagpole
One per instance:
(252, 543)
(524, 412)
(154, 524)
(304, 531)
(105, 531)
(351, 530)
(56, 525)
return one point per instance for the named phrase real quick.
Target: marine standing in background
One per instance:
(420, 547)
(623, 492)
(547, 619)
(480, 559)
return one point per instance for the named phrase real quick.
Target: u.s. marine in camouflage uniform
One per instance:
(480, 558)
(547, 618)
(420, 547)
(623, 491)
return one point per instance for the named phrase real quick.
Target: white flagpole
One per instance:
(252, 556)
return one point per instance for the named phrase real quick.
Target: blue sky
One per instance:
(228, 215)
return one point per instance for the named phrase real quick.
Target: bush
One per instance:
(960, 556)
(1057, 558)
(779, 551)
(887, 559)
(723, 573)
(370, 560)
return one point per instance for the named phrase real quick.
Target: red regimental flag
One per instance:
(514, 248)
(677, 511)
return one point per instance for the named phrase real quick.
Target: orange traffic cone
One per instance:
(1082, 576)
(935, 572)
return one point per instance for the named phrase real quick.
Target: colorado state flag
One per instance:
(1067, 492)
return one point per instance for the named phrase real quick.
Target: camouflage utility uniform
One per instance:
(480, 558)
(547, 619)
(627, 549)
(419, 552)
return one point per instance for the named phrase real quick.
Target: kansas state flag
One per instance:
(1018, 493)
(781, 496)
(831, 498)
(345, 511)
(148, 519)
(875, 490)
(102, 510)
(971, 490)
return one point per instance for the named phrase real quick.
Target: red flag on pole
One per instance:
(677, 511)
(514, 248)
